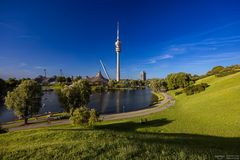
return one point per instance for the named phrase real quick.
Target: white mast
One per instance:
(104, 69)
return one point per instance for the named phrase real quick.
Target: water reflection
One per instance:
(108, 102)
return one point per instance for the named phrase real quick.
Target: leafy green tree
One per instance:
(75, 95)
(80, 116)
(215, 70)
(84, 116)
(178, 80)
(93, 117)
(68, 79)
(121, 84)
(25, 100)
(12, 83)
(155, 85)
(111, 84)
(3, 89)
(77, 78)
(133, 84)
(61, 79)
(171, 81)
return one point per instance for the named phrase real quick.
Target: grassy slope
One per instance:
(197, 127)
(215, 111)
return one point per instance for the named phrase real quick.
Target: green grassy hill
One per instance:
(216, 111)
(199, 126)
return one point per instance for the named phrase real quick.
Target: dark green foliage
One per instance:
(69, 80)
(158, 85)
(77, 78)
(220, 71)
(61, 79)
(3, 90)
(25, 100)
(12, 83)
(179, 80)
(215, 70)
(3, 130)
(75, 95)
(155, 99)
(98, 88)
(6, 86)
(178, 93)
(193, 89)
(112, 84)
(93, 117)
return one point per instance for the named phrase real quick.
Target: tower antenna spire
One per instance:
(118, 30)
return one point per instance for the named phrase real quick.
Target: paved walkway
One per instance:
(167, 102)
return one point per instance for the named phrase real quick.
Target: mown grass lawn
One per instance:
(200, 126)
(113, 141)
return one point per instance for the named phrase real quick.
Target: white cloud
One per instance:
(22, 64)
(38, 67)
(158, 58)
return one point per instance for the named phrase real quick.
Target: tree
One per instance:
(178, 80)
(12, 83)
(93, 117)
(215, 70)
(75, 95)
(61, 79)
(80, 116)
(25, 100)
(68, 79)
(158, 85)
(84, 116)
(3, 90)
(77, 78)
(133, 83)
(111, 84)
(155, 85)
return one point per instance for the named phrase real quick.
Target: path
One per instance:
(167, 102)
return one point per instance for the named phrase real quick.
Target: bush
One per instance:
(193, 89)
(3, 130)
(226, 73)
(84, 116)
(93, 117)
(178, 92)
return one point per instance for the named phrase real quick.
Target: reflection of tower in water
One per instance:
(118, 101)
(105, 101)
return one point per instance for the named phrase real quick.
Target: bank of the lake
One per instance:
(110, 102)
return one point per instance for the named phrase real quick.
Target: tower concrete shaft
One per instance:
(118, 50)
(118, 67)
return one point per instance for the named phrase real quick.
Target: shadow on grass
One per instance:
(70, 129)
(193, 143)
(132, 126)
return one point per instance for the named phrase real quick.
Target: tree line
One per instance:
(25, 100)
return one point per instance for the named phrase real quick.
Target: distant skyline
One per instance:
(158, 36)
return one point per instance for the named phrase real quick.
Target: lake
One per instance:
(117, 101)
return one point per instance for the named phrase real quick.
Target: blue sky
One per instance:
(158, 36)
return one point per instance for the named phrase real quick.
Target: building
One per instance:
(98, 79)
(118, 50)
(143, 75)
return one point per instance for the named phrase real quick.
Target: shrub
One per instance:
(193, 89)
(93, 117)
(84, 116)
(178, 92)
(3, 130)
